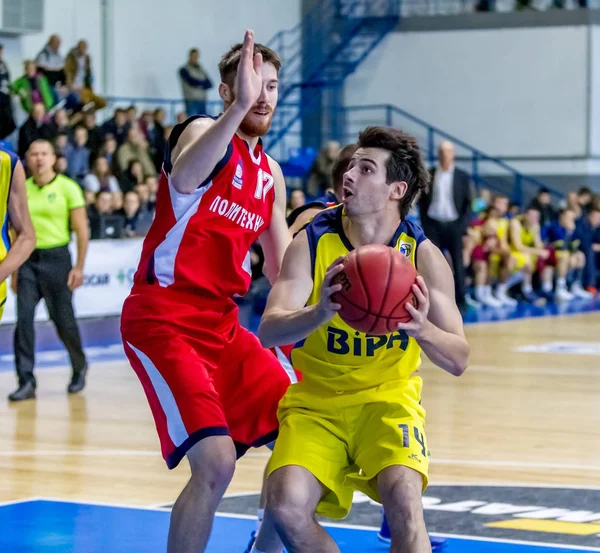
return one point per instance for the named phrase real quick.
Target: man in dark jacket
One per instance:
(446, 212)
(194, 84)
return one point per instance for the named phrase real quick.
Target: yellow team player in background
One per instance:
(18, 237)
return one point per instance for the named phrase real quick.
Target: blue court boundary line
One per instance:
(326, 525)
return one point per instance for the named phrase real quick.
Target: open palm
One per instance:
(248, 83)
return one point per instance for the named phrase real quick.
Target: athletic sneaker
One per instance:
(251, 542)
(578, 291)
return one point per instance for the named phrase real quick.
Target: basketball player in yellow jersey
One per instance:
(14, 219)
(355, 421)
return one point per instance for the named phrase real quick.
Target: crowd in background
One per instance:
(499, 252)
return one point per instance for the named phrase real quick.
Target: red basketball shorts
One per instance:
(202, 372)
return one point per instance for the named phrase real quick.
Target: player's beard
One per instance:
(253, 126)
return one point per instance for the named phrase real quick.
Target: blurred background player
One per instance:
(312, 469)
(570, 260)
(212, 388)
(17, 234)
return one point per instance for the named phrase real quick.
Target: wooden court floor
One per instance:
(514, 417)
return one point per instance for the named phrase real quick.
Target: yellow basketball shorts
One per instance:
(346, 440)
(521, 260)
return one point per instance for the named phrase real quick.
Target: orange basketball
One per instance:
(376, 285)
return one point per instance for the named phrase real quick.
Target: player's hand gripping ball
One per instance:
(376, 284)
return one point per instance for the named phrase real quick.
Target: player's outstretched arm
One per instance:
(276, 238)
(204, 142)
(286, 320)
(20, 221)
(437, 324)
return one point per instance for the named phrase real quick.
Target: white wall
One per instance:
(510, 92)
(594, 127)
(152, 38)
(148, 40)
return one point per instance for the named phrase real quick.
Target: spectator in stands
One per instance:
(194, 84)
(101, 179)
(61, 166)
(34, 128)
(543, 203)
(135, 148)
(481, 202)
(7, 122)
(33, 88)
(137, 220)
(57, 208)
(104, 223)
(584, 197)
(79, 157)
(117, 126)
(152, 183)
(132, 118)
(445, 211)
(155, 136)
(569, 259)
(52, 63)
(108, 150)
(181, 117)
(143, 191)
(95, 133)
(588, 233)
(132, 176)
(573, 204)
(320, 177)
(297, 199)
(527, 248)
(60, 122)
(79, 77)
(62, 146)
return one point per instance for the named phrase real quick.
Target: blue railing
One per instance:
(488, 171)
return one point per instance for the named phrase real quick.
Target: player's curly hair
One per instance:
(404, 164)
(231, 59)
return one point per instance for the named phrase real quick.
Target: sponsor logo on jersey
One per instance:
(554, 516)
(239, 174)
(406, 248)
(340, 342)
(236, 213)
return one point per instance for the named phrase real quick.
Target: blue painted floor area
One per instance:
(43, 526)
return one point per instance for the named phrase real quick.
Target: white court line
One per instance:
(142, 453)
(532, 317)
(17, 501)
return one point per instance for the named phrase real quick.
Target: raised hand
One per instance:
(248, 82)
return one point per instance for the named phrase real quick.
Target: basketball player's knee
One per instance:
(288, 504)
(402, 499)
(212, 468)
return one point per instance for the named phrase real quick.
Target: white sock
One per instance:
(501, 289)
(526, 288)
(260, 514)
(513, 279)
(547, 286)
(254, 550)
(561, 283)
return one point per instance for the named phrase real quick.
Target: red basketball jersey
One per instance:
(200, 242)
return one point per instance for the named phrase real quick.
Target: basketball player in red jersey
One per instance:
(213, 390)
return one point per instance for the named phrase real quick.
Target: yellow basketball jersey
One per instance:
(527, 236)
(335, 356)
(502, 227)
(7, 167)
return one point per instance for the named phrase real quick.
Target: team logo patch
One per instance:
(556, 516)
(406, 248)
(237, 178)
